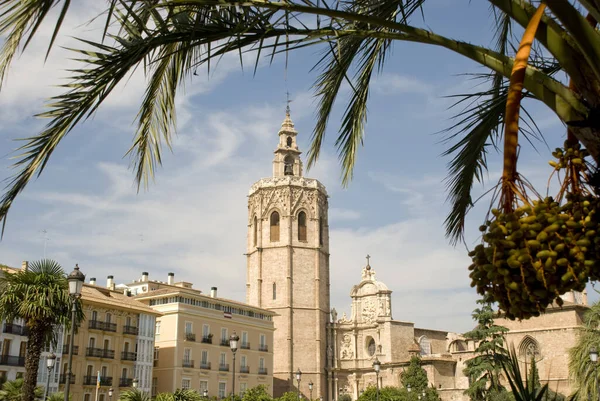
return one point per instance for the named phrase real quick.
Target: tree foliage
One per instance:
(483, 370)
(135, 394)
(414, 376)
(583, 372)
(257, 393)
(13, 391)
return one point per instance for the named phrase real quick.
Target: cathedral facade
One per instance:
(288, 273)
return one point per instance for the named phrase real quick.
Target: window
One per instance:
(185, 384)
(101, 397)
(128, 321)
(108, 317)
(288, 141)
(244, 338)
(126, 347)
(203, 386)
(263, 340)
(156, 353)
(274, 227)
(205, 330)
(261, 363)
(188, 327)
(425, 345)
(223, 335)
(223, 358)
(92, 342)
(187, 355)
(124, 373)
(243, 361)
(529, 349)
(204, 357)
(94, 315)
(23, 349)
(243, 387)
(255, 228)
(104, 371)
(302, 226)
(288, 165)
(320, 231)
(154, 386)
(87, 397)
(106, 344)
(371, 346)
(157, 332)
(222, 389)
(274, 291)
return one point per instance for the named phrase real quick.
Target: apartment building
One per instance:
(192, 339)
(116, 339)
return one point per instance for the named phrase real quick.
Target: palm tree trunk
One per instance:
(32, 360)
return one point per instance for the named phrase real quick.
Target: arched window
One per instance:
(108, 317)
(274, 227)
(94, 315)
(529, 349)
(274, 291)
(425, 345)
(289, 141)
(255, 224)
(321, 231)
(301, 226)
(288, 165)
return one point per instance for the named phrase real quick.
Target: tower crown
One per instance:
(287, 155)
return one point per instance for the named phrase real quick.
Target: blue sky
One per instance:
(192, 220)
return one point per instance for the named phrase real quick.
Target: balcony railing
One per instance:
(204, 365)
(263, 347)
(190, 337)
(224, 367)
(125, 382)
(244, 369)
(10, 360)
(225, 342)
(262, 371)
(187, 363)
(91, 380)
(130, 330)
(63, 379)
(246, 345)
(100, 353)
(65, 349)
(104, 326)
(128, 356)
(207, 339)
(15, 329)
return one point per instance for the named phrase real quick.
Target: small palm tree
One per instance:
(39, 296)
(13, 390)
(134, 395)
(59, 396)
(582, 370)
(178, 395)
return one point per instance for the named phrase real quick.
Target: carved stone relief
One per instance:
(346, 348)
(369, 310)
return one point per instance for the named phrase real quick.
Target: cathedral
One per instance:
(288, 273)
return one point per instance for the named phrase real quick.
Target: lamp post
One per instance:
(594, 359)
(75, 280)
(424, 395)
(135, 382)
(408, 388)
(298, 378)
(233, 344)
(50, 361)
(310, 387)
(110, 393)
(205, 394)
(377, 366)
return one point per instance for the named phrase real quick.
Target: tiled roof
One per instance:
(102, 295)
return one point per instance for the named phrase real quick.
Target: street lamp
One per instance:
(75, 280)
(310, 387)
(424, 395)
(298, 378)
(408, 388)
(50, 361)
(233, 344)
(135, 382)
(205, 394)
(377, 366)
(110, 393)
(594, 359)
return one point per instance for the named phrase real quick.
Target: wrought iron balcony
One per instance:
(224, 367)
(263, 347)
(17, 329)
(205, 365)
(104, 326)
(10, 360)
(63, 379)
(128, 356)
(65, 349)
(245, 345)
(245, 369)
(91, 380)
(100, 353)
(262, 371)
(125, 382)
(225, 342)
(207, 339)
(190, 337)
(130, 330)
(187, 363)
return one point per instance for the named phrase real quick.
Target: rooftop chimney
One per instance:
(171, 278)
(25, 265)
(110, 283)
(145, 276)
(93, 281)
(213, 292)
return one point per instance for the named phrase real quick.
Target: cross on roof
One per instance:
(288, 101)
(368, 257)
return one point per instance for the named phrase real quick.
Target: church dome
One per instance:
(369, 284)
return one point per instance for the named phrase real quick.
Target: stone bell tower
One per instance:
(288, 266)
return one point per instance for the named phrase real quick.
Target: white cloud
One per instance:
(339, 214)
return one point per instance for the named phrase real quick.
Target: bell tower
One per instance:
(288, 266)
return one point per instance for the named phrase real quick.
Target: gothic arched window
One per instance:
(425, 345)
(289, 141)
(274, 234)
(301, 226)
(288, 165)
(255, 228)
(529, 349)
